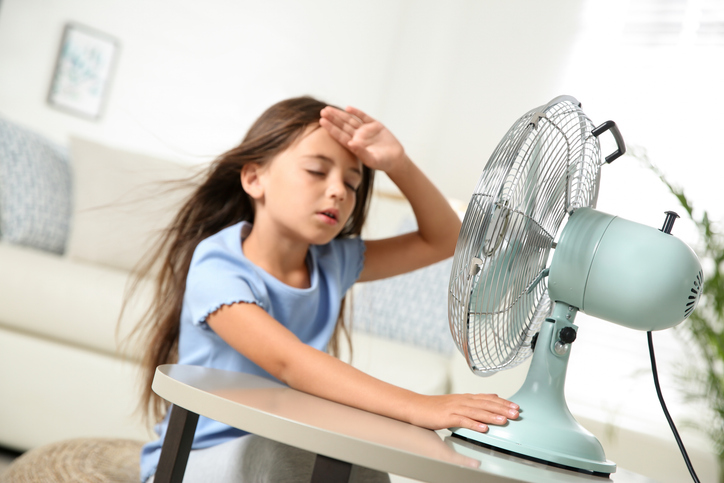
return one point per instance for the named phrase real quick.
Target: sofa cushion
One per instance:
(66, 300)
(404, 365)
(122, 201)
(410, 308)
(35, 189)
(53, 391)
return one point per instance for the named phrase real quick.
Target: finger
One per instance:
(494, 398)
(497, 409)
(486, 417)
(359, 114)
(468, 423)
(337, 134)
(343, 120)
(487, 411)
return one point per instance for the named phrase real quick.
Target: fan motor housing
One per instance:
(624, 272)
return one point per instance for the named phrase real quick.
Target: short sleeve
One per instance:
(217, 278)
(350, 255)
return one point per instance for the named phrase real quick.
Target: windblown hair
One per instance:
(219, 202)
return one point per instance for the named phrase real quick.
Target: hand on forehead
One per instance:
(365, 137)
(342, 125)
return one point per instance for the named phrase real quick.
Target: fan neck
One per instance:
(550, 360)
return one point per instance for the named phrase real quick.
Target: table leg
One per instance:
(176, 446)
(330, 470)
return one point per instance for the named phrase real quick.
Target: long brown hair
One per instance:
(218, 202)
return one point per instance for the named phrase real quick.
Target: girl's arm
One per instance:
(254, 333)
(438, 224)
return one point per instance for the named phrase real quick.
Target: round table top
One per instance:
(272, 410)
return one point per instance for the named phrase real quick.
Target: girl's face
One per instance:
(309, 190)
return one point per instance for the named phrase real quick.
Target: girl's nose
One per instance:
(337, 188)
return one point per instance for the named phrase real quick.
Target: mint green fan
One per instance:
(510, 299)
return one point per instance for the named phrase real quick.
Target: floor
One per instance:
(6, 458)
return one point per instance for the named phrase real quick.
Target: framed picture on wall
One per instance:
(83, 71)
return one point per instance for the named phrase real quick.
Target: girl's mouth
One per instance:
(329, 217)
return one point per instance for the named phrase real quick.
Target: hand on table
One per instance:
(471, 411)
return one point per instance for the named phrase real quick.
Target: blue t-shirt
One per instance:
(219, 275)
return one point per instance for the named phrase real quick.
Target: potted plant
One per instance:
(703, 332)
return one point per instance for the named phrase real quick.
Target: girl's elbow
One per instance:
(289, 371)
(282, 371)
(451, 240)
(277, 367)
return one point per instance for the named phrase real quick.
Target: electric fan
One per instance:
(509, 299)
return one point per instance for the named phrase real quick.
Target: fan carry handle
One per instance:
(621, 146)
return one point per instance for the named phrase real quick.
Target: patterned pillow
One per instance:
(35, 189)
(410, 308)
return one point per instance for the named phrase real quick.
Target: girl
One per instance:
(255, 268)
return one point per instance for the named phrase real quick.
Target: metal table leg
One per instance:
(176, 446)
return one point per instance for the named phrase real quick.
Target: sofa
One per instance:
(75, 220)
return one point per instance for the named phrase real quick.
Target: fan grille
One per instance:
(547, 165)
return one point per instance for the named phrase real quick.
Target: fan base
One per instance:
(482, 444)
(546, 430)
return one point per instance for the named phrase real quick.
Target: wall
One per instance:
(448, 78)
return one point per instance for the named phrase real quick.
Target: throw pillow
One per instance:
(122, 202)
(410, 308)
(35, 189)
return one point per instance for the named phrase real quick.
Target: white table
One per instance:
(340, 435)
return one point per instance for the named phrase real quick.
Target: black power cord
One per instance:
(666, 411)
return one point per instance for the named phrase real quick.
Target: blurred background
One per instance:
(448, 78)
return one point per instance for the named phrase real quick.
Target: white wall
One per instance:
(448, 77)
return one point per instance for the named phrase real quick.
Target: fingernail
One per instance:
(513, 413)
(482, 428)
(500, 418)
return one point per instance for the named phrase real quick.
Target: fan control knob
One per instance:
(671, 217)
(567, 335)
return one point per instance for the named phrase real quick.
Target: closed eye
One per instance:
(321, 174)
(353, 182)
